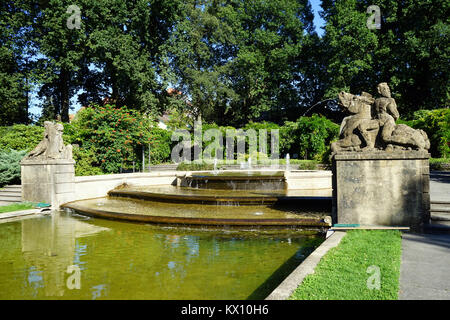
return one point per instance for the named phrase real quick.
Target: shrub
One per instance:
(440, 164)
(436, 123)
(307, 165)
(117, 135)
(10, 166)
(160, 145)
(309, 137)
(20, 137)
(86, 162)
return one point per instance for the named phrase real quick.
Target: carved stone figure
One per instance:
(396, 136)
(371, 125)
(358, 130)
(52, 146)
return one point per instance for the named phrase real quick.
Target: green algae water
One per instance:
(40, 258)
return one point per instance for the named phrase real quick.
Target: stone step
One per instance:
(440, 206)
(439, 210)
(440, 216)
(11, 188)
(440, 202)
(11, 193)
(10, 198)
(8, 191)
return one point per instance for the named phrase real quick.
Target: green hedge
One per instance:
(308, 137)
(20, 137)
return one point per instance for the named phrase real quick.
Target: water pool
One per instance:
(120, 260)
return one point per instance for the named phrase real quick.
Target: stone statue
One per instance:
(371, 125)
(52, 146)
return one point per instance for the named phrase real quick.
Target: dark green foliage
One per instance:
(436, 123)
(20, 137)
(86, 162)
(240, 60)
(160, 145)
(309, 137)
(410, 51)
(10, 166)
(111, 138)
(15, 64)
(306, 164)
(230, 61)
(440, 164)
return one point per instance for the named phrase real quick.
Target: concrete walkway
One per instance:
(425, 266)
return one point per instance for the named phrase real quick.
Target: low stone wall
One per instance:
(54, 181)
(98, 186)
(308, 180)
(381, 188)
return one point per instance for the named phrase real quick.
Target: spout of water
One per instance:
(215, 167)
(287, 162)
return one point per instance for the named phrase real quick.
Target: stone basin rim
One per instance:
(186, 198)
(288, 222)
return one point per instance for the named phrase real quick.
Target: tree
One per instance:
(410, 51)
(61, 49)
(15, 65)
(198, 54)
(124, 51)
(239, 60)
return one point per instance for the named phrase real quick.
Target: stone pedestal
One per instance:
(48, 181)
(381, 188)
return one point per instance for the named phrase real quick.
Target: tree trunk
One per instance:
(64, 87)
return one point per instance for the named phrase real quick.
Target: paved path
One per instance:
(425, 267)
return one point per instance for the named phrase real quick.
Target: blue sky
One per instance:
(318, 22)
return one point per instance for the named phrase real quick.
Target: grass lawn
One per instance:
(16, 207)
(343, 273)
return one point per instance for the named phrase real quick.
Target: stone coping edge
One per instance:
(288, 286)
(382, 155)
(47, 162)
(14, 214)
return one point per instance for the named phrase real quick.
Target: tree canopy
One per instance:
(228, 61)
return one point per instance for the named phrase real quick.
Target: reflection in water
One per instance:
(49, 244)
(120, 260)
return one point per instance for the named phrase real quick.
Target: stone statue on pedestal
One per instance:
(52, 146)
(371, 125)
